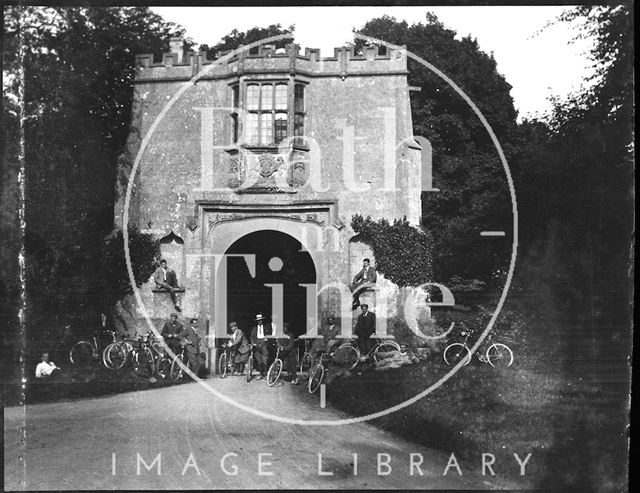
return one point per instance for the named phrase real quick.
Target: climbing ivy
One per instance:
(144, 250)
(402, 251)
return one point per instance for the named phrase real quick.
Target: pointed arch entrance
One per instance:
(279, 259)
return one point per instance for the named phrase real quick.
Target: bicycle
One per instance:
(161, 359)
(143, 357)
(317, 376)
(275, 370)
(177, 369)
(350, 354)
(496, 354)
(225, 362)
(249, 368)
(304, 366)
(85, 351)
(116, 354)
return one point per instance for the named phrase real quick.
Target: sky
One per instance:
(537, 62)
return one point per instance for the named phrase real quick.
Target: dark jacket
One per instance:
(363, 276)
(290, 347)
(366, 325)
(158, 277)
(241, 344)
(189, 334)
(254, 333)
(170, 329)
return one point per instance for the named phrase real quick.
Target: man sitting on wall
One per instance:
(165, 278)
(364, 279)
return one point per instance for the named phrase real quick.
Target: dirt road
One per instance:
(105, 443)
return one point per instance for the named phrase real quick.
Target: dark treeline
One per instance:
(573, 171)
(70, 73)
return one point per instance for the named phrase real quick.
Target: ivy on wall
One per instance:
(144, 249)
(403, 252)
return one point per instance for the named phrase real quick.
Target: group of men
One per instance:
(177, 336)
(258, 338)
(327, 340)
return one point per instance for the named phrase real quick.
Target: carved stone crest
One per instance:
(268, 164)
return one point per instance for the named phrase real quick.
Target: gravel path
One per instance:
(71, 445)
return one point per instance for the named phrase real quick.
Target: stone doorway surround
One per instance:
(314, 223)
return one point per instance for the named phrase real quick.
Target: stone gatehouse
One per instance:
(267, 153)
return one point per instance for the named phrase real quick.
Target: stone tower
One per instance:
(263, 149)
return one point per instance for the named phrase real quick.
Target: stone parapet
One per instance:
(343, 63)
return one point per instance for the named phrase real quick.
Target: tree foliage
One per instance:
(590, 143)
(467, 170)
(144, 252)
(75, 108)
(236, 38)
(403, 252)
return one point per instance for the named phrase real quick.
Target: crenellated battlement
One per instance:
(267, 59)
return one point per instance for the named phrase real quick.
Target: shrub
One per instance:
(144, 249)
(403, 252)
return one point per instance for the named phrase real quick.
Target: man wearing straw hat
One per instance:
(259, 334)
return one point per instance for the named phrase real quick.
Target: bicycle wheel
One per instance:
(114, 356)
(81, 353)
(105, 356)
(164, 366)
(222, 365)
(249, 368)
(175, 373)
(305, 365)
(455, 353)
(346, 356)
(274, 372)
(385, 347)
(143, 364)
(316, 378)
(499, 355)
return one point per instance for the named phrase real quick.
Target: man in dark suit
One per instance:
(259, 334)
(364, 279)
(365, 327)
(169, 332)
(166, 278)
(327, 341)
(289, 353)
(190, 339)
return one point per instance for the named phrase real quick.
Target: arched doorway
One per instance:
(280, 259)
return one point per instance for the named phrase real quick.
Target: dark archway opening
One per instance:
(247, 296)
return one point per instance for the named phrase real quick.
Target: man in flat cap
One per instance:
(190, 339)
(241, 347)
(171, 329)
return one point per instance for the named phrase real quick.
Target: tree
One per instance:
(592, 141)
(574, 175)
(467, 168)
(76, 107)
(235, 39)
